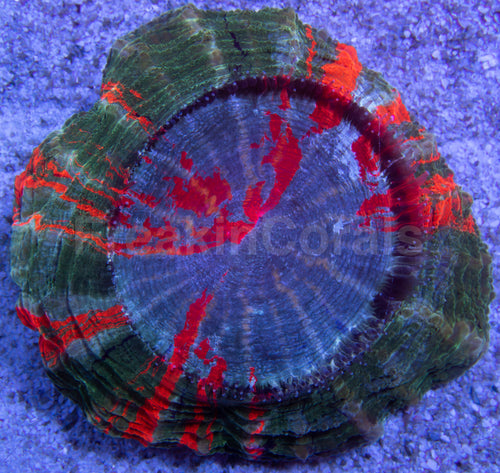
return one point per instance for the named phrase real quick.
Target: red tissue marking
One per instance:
(114, 172)
(190, 436)
(142, 197)
(99, 243)
(202, 350)
(285, 158)
(122, 173)
(164, 245)
(275, 122)
(151, 368)
(221, 280)
(368, 161)
(437, 199)
(343, 73)
(166, 236)
(312, 52)
(285, 99)
(34, 176)
(220, 232)
(86, 140)
(114, 92)
(214, 379)
(186, 163)
(57, 335)
(32, 321)
(89, 324)
(325, 116)
(260, 143)
(186, 337)
(201, 195)
(214, 382)
(253, 415)
(148, 414)
(216, 374)
(440, 185)
(443, 206)
(50, 349)
(393, 113)
(120, 414)
(433, 157)
(407, 192)
(137, 94)
(378, 206)
(252, 379)
(87, 208)
(40, 172)
(253, 201)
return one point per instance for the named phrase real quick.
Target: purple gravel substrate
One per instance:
(442, 55)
